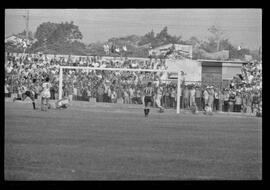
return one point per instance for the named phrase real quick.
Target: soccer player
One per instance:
(63, 103)
(45, 94)
(148, 92)
(28, 92)
(158, 99)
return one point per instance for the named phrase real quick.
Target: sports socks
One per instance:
(34, 105)
(146, 112)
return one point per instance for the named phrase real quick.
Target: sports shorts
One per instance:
(147, 99)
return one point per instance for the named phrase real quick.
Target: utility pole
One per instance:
(27, 24)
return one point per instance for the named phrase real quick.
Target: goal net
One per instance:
(119, 84)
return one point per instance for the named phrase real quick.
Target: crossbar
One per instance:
(117, 69)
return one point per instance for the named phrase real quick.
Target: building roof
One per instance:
(220, 61)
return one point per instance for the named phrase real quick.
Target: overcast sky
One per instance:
(242, 26)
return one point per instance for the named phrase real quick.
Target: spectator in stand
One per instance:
(131, 94)
(75, 92)
(205, 97)
(231, 101)
(142, 95)
(6, 90)
(186, 97)
(70, 93)
(113, 96)
(211, 97)
(198, 95)
(249, 103)
(106, 91)
(255, 102)
(244, 101)
(52, 91)
(100, 92)
(88, 93)
(216, 99)
(221, 100)
(226, 100)
(126, 96)
(238, 102)
(109, 100)
(173, 97)
(192, 95)
(167, 97)
(119, 92)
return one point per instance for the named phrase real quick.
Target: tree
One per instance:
(23, 35)
(217, 35)
(58, 37)
(163, 38)
(44, 31)
(147, 38)
(193, 41)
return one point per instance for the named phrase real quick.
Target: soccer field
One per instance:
(109, 142)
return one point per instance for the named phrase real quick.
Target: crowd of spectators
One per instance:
(244, 94)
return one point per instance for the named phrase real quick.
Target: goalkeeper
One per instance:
(158, 99)
(62, 103)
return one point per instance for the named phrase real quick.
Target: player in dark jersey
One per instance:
(29, 92)
(148, 94)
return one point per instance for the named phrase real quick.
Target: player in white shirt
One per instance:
(63, 103)
(158, 99)
(45, 94)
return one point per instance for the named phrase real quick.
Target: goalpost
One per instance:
(122, 69)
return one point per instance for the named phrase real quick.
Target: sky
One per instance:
(241, 26)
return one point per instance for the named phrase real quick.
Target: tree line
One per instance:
(66, 38)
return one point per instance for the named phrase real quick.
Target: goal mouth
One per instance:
(157, 77)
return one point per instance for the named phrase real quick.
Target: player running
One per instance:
(45, 94)
(148, 92)
(28, 92)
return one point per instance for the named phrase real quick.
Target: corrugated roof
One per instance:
(220, 61)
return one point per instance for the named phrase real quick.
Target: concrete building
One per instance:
(219, 73)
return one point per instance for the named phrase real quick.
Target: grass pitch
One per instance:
(96, 141)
